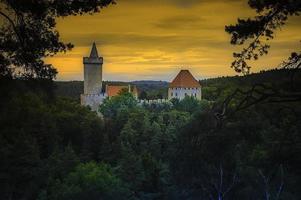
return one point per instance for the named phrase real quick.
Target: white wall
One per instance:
(180, 93)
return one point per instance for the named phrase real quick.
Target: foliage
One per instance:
(112, 107)
(89, 181)
(188, 104)
(270, 16)
(33, 128)
(53, 148)
(28, 34)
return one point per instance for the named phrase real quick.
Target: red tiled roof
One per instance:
(113, 90)
(184, 79)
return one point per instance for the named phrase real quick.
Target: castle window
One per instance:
(195, 94)
(176, 94)
(171, 94)
(185, 94)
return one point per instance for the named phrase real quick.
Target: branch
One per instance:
(259, 93)
(266, 184)
(234, 180)
(265, 25)
(281, 184)
(13, 26)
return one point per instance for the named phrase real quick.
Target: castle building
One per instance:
(93, 87)
(93, 95)
(184, 85)
(114, 90)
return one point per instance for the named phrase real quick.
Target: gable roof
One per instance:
(184, 79)
(114, 90)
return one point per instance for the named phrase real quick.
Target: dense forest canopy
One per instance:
(53, 148)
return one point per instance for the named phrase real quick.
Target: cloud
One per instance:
(153, 38)
(143, 42)
(178, 22)
(180, 3)
(186, 3)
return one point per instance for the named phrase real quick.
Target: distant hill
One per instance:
(275, 76)
(73, 89)
(147, 85)
(216, 88)
(158, 89)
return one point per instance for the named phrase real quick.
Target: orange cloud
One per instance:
(153, 40)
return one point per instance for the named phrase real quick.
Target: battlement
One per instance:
(155, 101)
(89, 60)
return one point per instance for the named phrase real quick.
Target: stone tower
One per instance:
(93, 95)
(93, 72)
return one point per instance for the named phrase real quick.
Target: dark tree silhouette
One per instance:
(271, 15)
(28, 34)
(257, 31)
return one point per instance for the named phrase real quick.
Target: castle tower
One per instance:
(93, 95)
(184, 85)
(93, 72)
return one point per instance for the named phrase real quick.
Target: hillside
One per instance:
(158, 89)
(143, 151)
(73, 89)
(275, 77)
(217, 88)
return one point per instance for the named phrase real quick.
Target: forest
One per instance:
(242, 141)
(54, 148)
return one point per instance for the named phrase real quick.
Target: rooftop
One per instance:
(114, 90)
(94, 53)
(184, 80)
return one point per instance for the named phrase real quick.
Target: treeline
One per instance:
(212, 88)
(53, 148)
(146, 89)
(220, 88)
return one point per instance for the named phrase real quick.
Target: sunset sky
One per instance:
(154, 39)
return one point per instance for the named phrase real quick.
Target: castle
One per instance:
(94, 94)
(184, 85)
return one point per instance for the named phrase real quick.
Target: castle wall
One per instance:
(158, 101)
(180, 93)
(92, 100)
